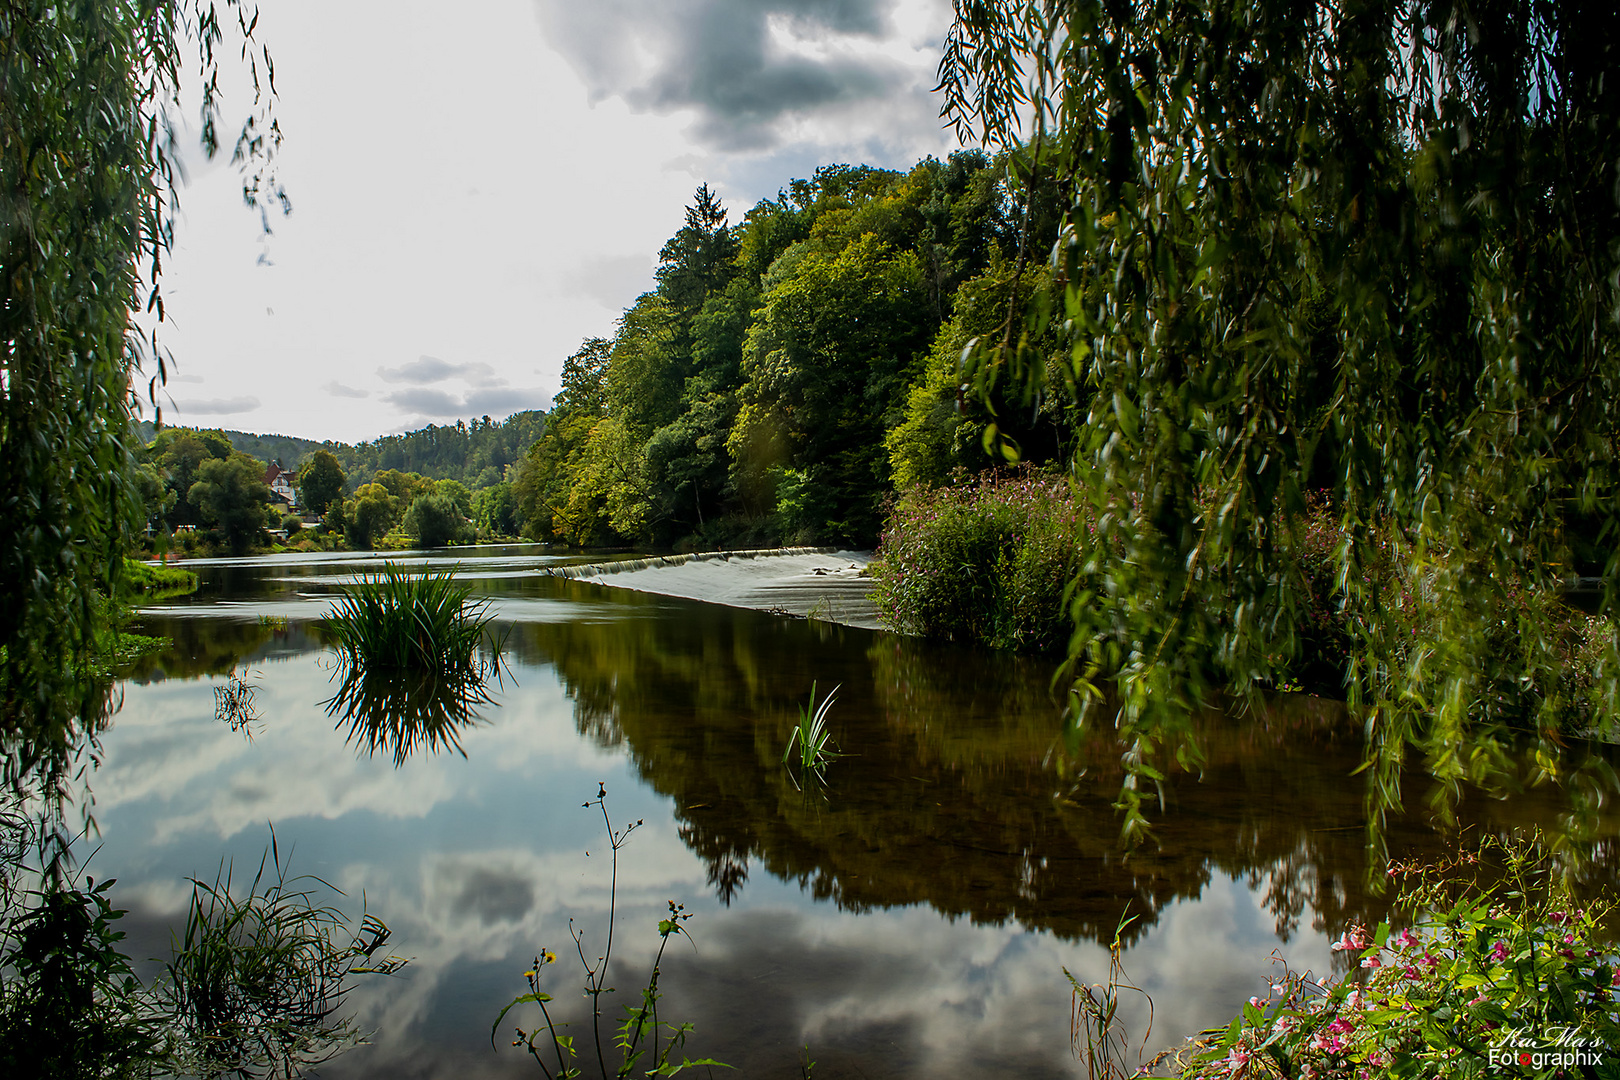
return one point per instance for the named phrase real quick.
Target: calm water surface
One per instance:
(910, 918)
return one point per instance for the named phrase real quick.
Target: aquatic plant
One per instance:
(256, 981)
(411, 622)
(1503, 970)
(810, 737)
(1097, 1032)
(233, 704)
(641, 1035)
(252, 989)
(404, 712)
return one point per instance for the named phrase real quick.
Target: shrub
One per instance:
(292, 523)
(984, 562)
(1503, 971)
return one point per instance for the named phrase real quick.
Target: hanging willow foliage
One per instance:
(1360, 251)
(89, 102)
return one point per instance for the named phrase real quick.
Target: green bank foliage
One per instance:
(475, 452)
(788, 370)
(1501, 971)
(986, 561)
(1367, 249)
(399, 621)
(158, 582)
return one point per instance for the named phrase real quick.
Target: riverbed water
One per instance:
(910, 913)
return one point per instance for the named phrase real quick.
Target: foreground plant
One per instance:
(257, 980)
(641, 1036)
(1500, 973)
(411, 622)
(810, 743)
(253, 988)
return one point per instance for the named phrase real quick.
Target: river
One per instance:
(910, 914)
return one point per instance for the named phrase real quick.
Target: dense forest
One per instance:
(476, 454)
(788, 373)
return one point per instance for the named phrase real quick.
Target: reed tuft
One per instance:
(409, 622)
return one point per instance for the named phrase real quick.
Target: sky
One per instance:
(472, 197)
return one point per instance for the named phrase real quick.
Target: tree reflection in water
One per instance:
(964, 788)
(403, 713)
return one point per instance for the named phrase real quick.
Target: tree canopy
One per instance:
(1358, 250)
(753, 396)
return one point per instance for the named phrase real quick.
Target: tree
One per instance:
(1365, 244)
(369, 515)
(435, 520)
(321, 482)
(85, 93)
(231, 496)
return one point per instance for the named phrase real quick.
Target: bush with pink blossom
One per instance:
(1501, 972)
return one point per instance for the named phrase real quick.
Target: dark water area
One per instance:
(910, 916)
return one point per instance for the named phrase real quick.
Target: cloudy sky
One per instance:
(473, 196)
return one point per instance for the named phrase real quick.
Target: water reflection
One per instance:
(406, 712)
(960, 788)
(912, 922)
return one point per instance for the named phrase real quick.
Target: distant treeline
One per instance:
(475, 454)
(789, 373)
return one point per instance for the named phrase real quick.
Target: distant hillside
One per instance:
(476, 454)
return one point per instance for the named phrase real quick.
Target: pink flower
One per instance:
(1372, 962)
(1499, 951)
(1354, 938)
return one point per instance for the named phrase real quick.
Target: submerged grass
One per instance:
(410, 622)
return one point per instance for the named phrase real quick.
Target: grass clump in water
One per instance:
(410, 622)
(810, 743)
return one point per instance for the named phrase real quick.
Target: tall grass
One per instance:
(258, 977)
(410, 622)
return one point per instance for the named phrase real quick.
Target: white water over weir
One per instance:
(804, 582)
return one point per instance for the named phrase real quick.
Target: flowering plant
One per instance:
(1501, 972)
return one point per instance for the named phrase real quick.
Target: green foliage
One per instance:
(252, 989)
(159, 582)
(85, 92)
(70, 1004)
(410, 622)
(369, 515)
(495, 511)
(986, 562)
(642, 1040)
(1391, 272)
(810, 737)
(231, 496)
(321, 482)
(438, 519)
(772, 351)
(257, 980)
(1502, 970)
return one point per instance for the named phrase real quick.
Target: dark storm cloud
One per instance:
(719, 58)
